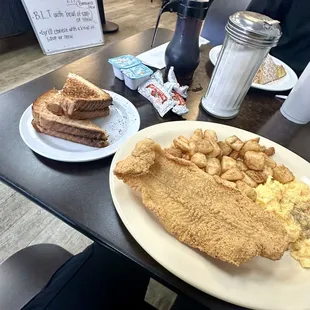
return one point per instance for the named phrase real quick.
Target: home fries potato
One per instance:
(243, 164)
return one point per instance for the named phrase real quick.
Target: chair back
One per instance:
(217, 17)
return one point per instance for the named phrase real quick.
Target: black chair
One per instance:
(217, 17)
(25, 273)
(13, 18)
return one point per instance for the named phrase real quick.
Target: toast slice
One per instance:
(69, 137)
(80, 131)
(269, 72)
(57, 108)
(81, 95)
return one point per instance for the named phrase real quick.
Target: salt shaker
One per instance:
(249, 38)
(296, 107)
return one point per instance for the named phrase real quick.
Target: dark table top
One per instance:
(78, 193)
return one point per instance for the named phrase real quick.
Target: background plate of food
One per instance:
(223, 209)
(273, 75)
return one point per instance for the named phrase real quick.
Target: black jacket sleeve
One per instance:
(276, 9)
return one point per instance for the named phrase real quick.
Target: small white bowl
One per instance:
(118, 73)
(135, 76)
(133, 84)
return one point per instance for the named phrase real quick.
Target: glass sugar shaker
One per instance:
(249, 38)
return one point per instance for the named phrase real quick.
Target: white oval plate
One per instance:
(122, 123)
(285, 83)
(258, 284)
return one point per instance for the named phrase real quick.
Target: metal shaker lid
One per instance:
(194, 8)
(254, 29)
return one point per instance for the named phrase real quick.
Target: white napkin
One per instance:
(155, 57)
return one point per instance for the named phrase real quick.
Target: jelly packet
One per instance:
(173, 82)
(158, 76)
(180, 104)
(165, 96)
(156, 93)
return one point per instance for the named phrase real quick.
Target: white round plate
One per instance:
(285, 83)
(122, 123)
(258, 284)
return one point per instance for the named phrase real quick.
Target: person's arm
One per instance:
(275, 9)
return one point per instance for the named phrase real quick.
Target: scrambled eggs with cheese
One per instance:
(290, 203)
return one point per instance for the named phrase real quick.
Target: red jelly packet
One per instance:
(157, 94)
(180, 104)
(178, 98)
(165, 97)
(172, 80)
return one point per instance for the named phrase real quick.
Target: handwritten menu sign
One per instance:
(63, 25)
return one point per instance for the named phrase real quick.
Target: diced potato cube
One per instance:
(255, 139)
(192, 147)
(220, 155)
(226, 149)
(250, 146)
(228, 163)
(269, 161)
(257, 176)
(247, 190)
(283, 174)
(216, 151)
(204, 146)
(268, 171)
(235, 143)
(199, 160)
(182, 143)
(237, 146)
(231, 140)
(197, 136)
(233, 174)
(174, 151)
(248, 180)
(210, 134)
(254, 160)
(234, 155)
(270, 151)
(241, 165)
(184, 139)
(213, 166)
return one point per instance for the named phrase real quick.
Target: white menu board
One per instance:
(63, 25)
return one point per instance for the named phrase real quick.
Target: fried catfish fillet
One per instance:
(199, 211)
